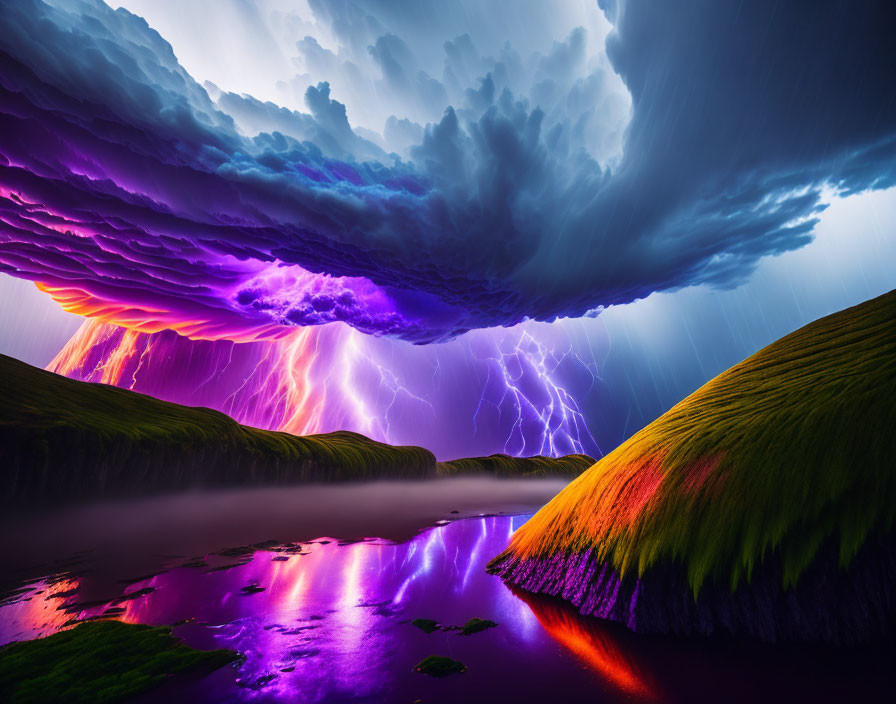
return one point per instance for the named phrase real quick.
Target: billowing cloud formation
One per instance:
(134, 194)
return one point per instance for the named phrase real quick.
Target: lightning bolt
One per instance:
(333, 377)
(371, 417)
(282, 391)
(527, 372)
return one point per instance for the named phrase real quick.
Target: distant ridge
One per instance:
(501, 465)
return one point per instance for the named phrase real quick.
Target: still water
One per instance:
(321, 610)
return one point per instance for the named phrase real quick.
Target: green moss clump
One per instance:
(99, 662)
(476, 625)
(427, 625)
(439, 666)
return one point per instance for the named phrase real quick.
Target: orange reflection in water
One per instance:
(593, 642)
(39, 611)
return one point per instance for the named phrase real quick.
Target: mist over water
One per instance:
(133, 537)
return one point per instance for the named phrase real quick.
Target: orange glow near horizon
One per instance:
(73, 355)
(110, 369)
(287, 391)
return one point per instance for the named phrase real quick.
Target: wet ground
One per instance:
(317, 587)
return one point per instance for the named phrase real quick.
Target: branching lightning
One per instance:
(372, 415)
(324, 378)
(531, 385)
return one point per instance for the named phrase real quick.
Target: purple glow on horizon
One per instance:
(518, 391)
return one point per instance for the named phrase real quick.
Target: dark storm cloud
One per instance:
(131, 191)
(741, 113)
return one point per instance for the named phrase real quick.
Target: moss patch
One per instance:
(476, 625)
(439, 666)
(98, 663)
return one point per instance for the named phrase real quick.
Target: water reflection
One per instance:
(329, 621)
(598, 644)
(332, 619)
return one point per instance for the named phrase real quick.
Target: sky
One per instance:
(667, 188)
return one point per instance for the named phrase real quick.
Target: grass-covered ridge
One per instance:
(502, 465)
(99, 662)
(63, 439)
(790, 448)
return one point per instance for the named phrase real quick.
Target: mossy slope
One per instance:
(63, 439)
(99, 662)
(789, 451)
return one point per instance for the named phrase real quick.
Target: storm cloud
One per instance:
(508, 185)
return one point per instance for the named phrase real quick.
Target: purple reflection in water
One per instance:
(333, 621)
(329, 621)
(335, 614)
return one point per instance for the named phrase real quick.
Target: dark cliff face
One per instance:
(65, 464)
(63, 440)
(764, 504)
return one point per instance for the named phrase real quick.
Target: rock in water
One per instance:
(427, 625)
(476, 625)
(439, 666)
(763, 504)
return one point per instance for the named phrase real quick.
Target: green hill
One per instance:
(775, 481)
(62, 439)
(501, 465)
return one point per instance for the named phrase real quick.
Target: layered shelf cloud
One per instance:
(487, 179)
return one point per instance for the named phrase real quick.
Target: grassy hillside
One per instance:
(61, 439)
(788, 451)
